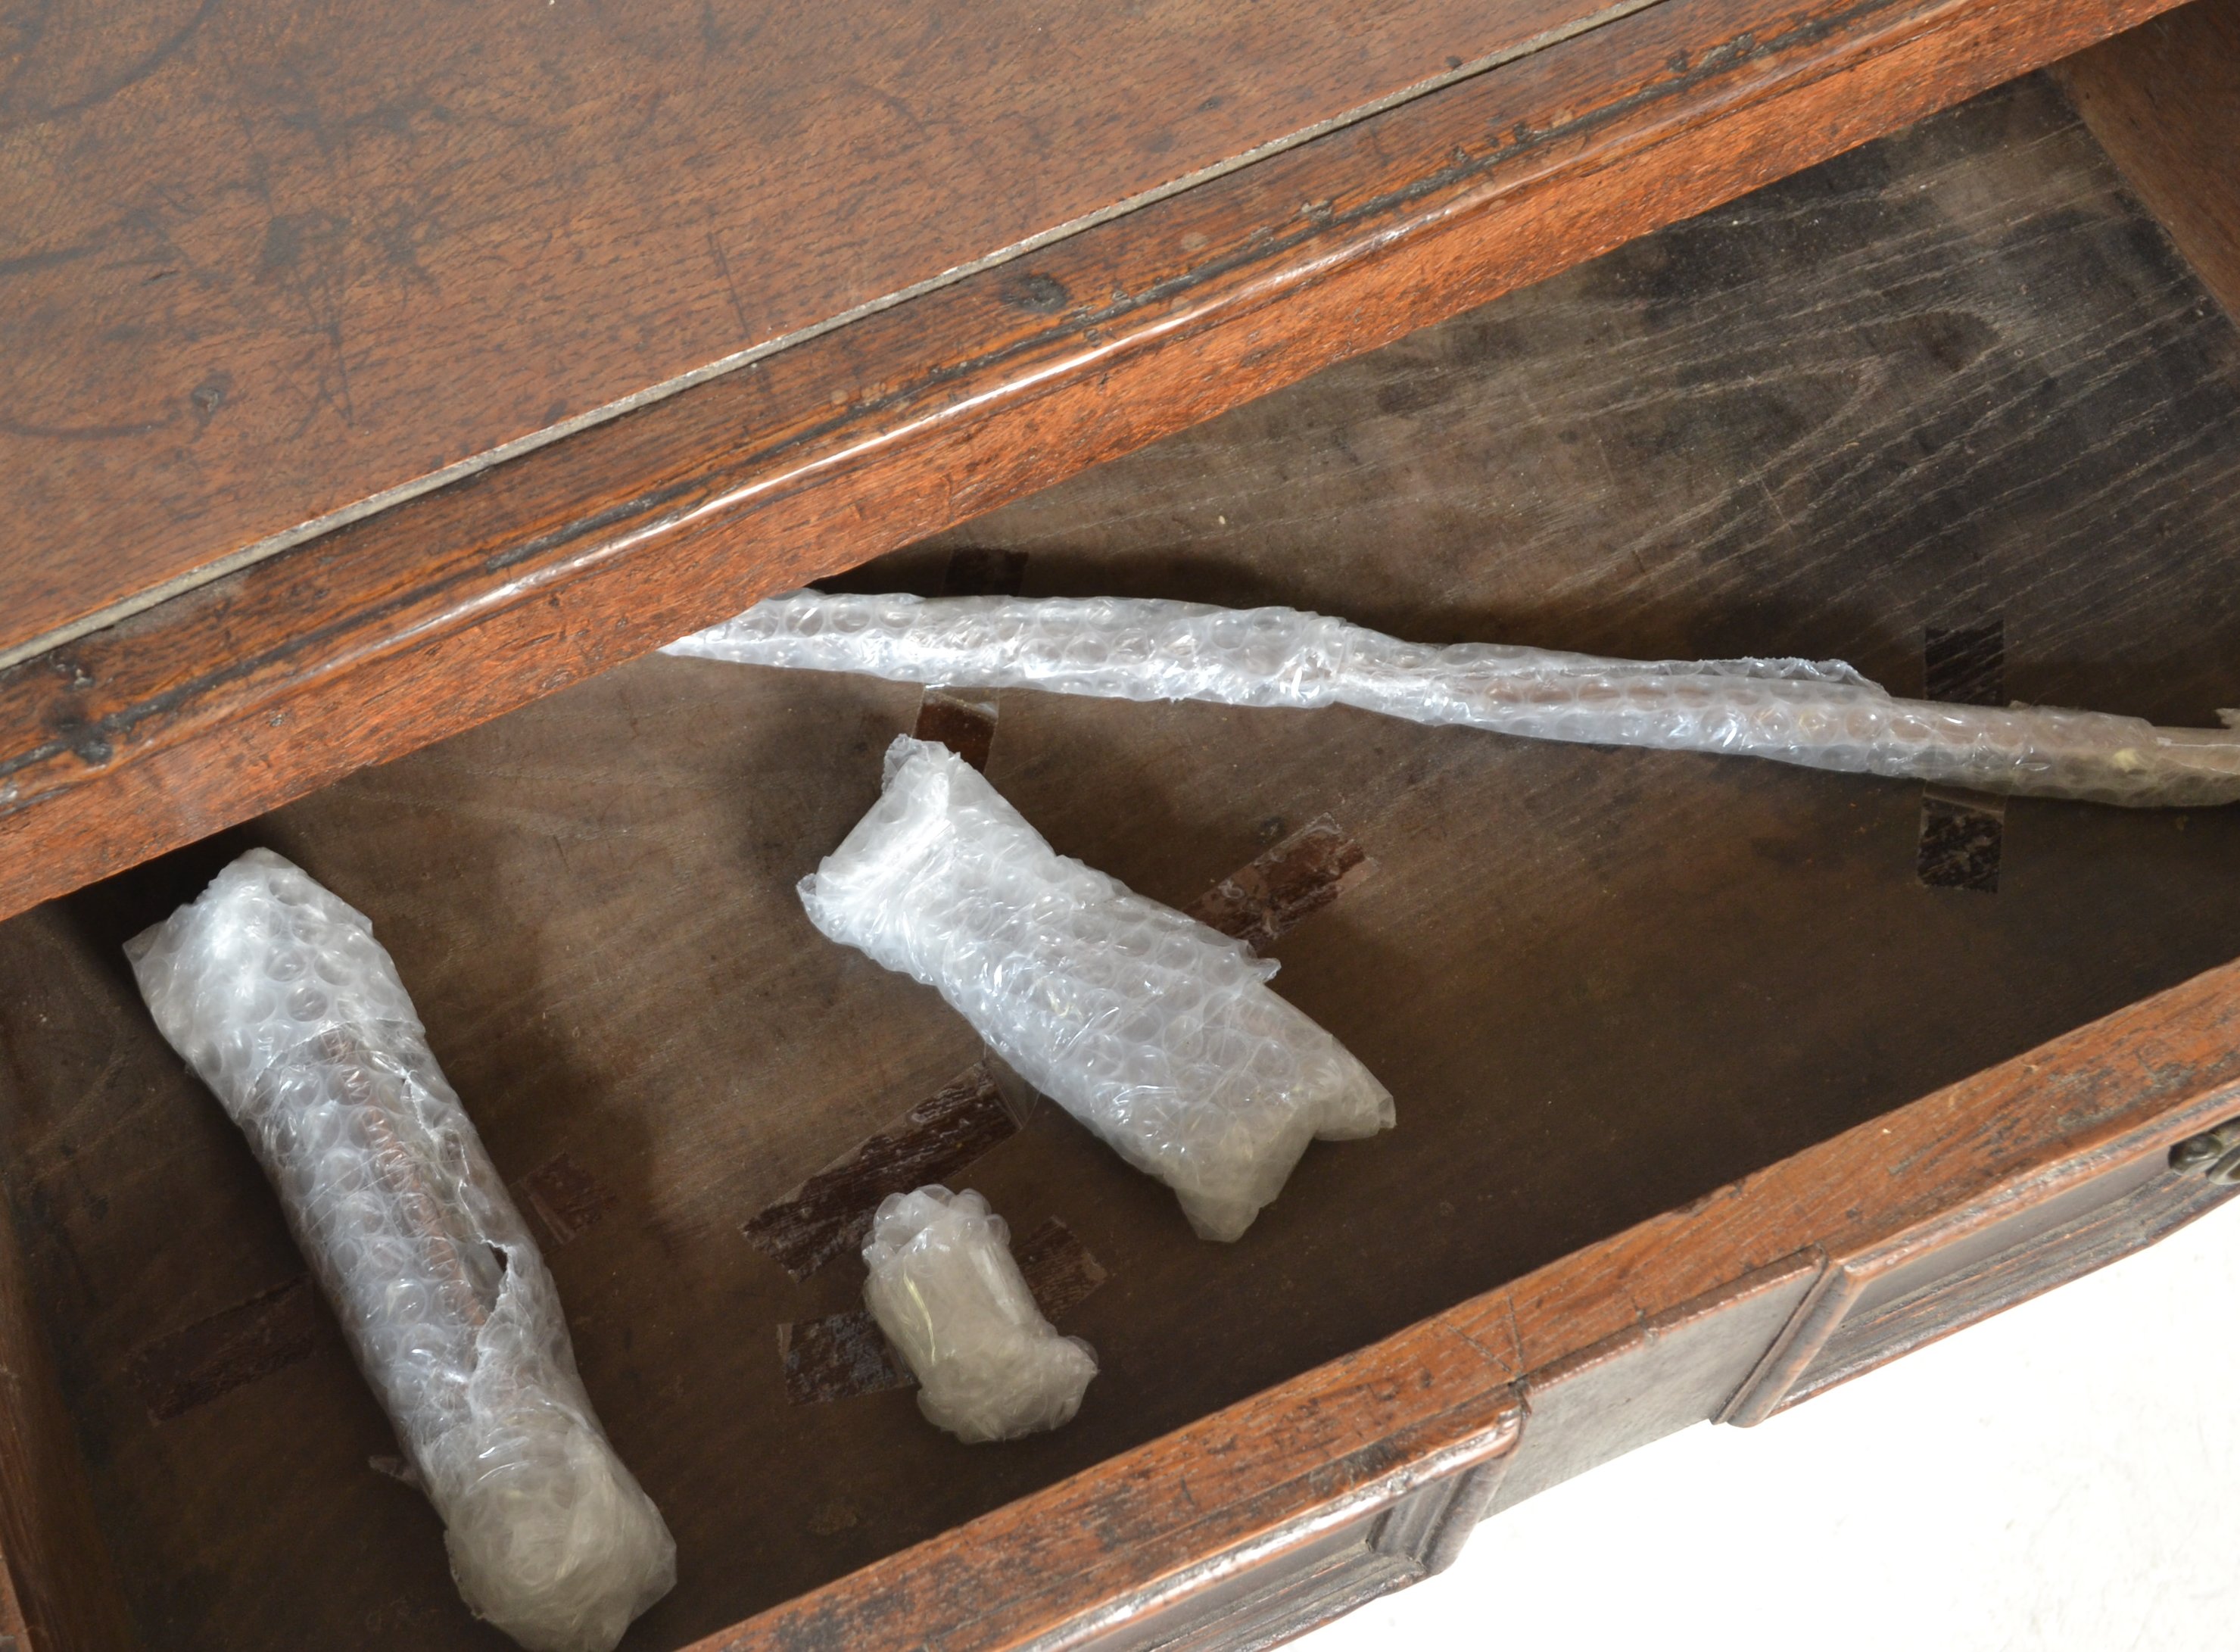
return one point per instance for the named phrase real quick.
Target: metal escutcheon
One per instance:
(2214, 1154)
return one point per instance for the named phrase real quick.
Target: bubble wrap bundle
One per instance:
(280, 998)
(1157, 1033)
(1819, 714)
(944, 1289)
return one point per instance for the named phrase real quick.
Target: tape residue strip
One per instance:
(845, 1355)
(1270, 897)
(831, 1212)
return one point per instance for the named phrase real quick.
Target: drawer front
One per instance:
(1270, 1597)
(1887, 1299)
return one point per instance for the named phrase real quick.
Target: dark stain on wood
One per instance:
(831, 1212)
(838, 1358)
(1961, 838)
(1965, 664)
(1039, 293)
(984, 571)
(1276, 891)
(1059, 1270)
(189, 1368)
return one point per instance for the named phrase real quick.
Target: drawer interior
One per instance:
(1949, 407)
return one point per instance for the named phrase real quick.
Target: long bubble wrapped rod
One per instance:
(1818, 714)
(1157, 1033)
(279, 997)
(944, 1289)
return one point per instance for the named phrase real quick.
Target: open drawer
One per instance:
(1718, 1082)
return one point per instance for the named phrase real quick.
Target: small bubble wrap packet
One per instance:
(945, 1290)
(1157, 1033)
(279, 997)
(1819, 714)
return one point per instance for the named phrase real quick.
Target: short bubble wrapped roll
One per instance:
(945, 1290)
(282, 1001)
(1157, 1033)
(1815, 713)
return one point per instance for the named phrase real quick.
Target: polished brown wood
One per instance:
(260, 263)
(1991, 1141)
(2164, 100)
(1654, 1021)
(1301, 1503)
(451, 607)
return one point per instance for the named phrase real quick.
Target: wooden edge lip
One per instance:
(1493, 1442)
(1466, 1506)
(1799, 1344)
(2167, 1056)
(850, 445)
(1649, 1327)
(1771, 1387)
(1177, 1560)
(1874, 1249)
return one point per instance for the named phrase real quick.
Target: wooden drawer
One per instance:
(1718, 1082)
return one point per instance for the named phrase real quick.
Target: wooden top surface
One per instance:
(262, 262)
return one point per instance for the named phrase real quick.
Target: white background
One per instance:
(2065, 1475)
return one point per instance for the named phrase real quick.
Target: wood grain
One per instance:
(1972, 1289)
(1267, 1478)
(448, 609)
(59, 1590)
(2130, 1086)
(231, 1349)
(2164, 99)
(260, 263)
(1602, 985)
(1672, 1369)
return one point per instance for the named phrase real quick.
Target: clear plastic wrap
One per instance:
(1157, 1033)
(1819, 714)
(279, 997)
(945, 1290)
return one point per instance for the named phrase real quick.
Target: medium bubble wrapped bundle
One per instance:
(280, 998)
(945, 1290)
(1815, 713)
(1157, 1033)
